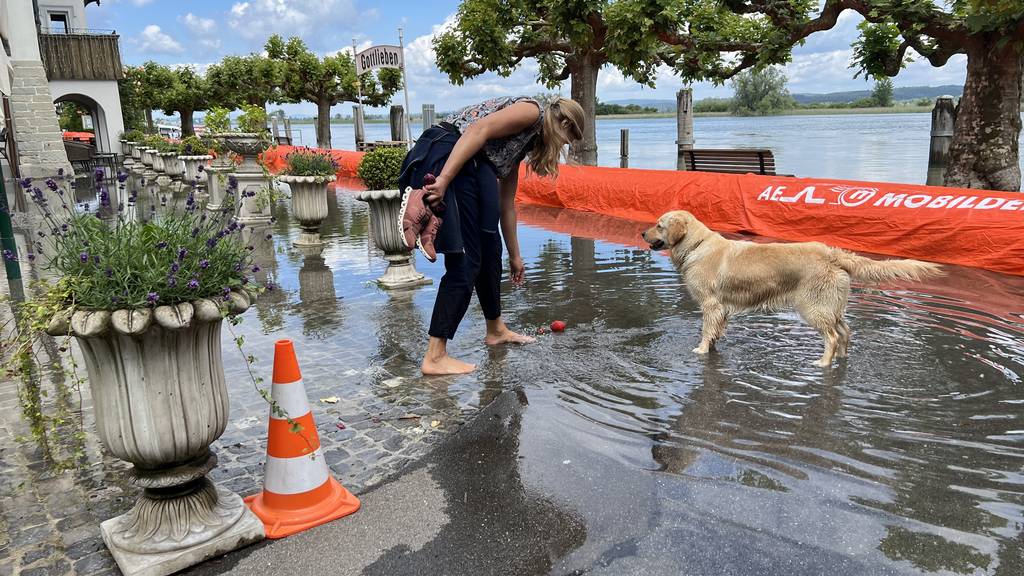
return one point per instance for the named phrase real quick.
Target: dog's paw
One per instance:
(822, 364)
(702, 350)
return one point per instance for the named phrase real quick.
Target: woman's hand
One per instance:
(435, 191)
(518, 270)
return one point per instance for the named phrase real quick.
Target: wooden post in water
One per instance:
(624, 148)
(273, 129)
(684, 125)
(358, 127)
(428, 116)
(943, 119)
(397, 123)
(288, 130)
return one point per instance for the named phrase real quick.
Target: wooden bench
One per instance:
(737, 161)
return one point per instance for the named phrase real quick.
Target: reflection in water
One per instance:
(318, 301)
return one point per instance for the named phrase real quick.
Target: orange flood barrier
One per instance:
(979, 228)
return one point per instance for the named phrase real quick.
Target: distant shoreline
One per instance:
(652, 115)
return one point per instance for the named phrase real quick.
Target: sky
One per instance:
(200, 32)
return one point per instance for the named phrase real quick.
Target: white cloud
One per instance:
(154, 40)
(141, 2)
(257, 19)
(203, 30)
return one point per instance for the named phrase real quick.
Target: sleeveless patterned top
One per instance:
(505, 153)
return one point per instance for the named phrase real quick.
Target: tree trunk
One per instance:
(984, 151)
(583, 87)
(149, 121)
(186, 123)
(323, 124)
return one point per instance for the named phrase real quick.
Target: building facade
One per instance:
(54, 57)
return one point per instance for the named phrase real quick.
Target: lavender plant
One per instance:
(310, 162)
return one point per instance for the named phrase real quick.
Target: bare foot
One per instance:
(506, 336)
(445, 365)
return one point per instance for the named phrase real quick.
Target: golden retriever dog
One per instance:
(726, 277)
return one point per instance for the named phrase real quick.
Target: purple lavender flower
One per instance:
(64, 227)
(211, 242)
(60, 172)
(193, 284)
(84, 257)
(269, 236)
(31, 257)
(96, 259)
(26, 183)
(100, 174)
(232, 182)
(122, 177)
(52, 184)
(152, 297)
(161, 245)
(270, 286)
(202, 168)
(174, 267)
(226, 292)
(10, 256)
(238, 267)
(204, 264)
(255, 268)
(109, 272)
(172, 281)
(182, 253)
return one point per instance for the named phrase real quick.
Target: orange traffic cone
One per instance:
(298, 489)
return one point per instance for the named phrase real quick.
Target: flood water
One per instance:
(875, 147)
(905, 458)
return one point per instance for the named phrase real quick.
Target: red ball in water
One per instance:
(558, 326)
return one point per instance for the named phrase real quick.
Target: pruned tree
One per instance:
(882, 94)
(189, 92)
(252, 79)
(148, 84)
(716, 40)
(568, 39)
(327, 81)
(760, 92)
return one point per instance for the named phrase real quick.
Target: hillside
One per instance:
(900, 93)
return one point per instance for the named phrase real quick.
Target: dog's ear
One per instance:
(675, 229)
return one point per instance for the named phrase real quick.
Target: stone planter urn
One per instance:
(127, 149)
(191, 164)
(386, 229)
(147, 156)
(158, 162)
(253, 182)
(157, 382)
(137, 151)
(309, 203)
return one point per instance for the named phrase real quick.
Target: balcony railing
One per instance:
(81, 55)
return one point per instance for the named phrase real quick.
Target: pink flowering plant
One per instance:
(310, 162)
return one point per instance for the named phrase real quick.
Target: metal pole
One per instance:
(359, 90)
(624, 148)
(405, 87)
(12, 267)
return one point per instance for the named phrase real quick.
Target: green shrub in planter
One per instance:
(253, 119)
(309, 162)
(194, 146)
(217, 120)
(134, 135)
(379, 169)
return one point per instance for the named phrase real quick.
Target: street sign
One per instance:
(383, 56)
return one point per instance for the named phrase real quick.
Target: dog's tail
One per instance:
(877, 271)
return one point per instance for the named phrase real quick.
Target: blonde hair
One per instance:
(563, 123)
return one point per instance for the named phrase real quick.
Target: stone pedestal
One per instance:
(385, 206)
(40, 144)
(216, 185)
(157, 382)
(253, 184)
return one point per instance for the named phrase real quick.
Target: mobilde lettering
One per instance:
(379, 57)
(851, 197)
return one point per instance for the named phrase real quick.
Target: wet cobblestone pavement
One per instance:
(358, 350)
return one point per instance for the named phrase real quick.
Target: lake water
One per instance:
(877, 147)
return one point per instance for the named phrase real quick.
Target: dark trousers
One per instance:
(479, 265)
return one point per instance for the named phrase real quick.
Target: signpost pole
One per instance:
(405, 87)
(359, 86)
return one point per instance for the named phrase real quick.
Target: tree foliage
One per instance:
(252, 79)
(187, 93)
(760, 92)
(147, 84)
(327, 81)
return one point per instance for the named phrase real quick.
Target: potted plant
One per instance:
(195, 153)
(379, 170)
(144, 299)
(149, 148)
(255, 188)
(217, 122)
(308, 172)
(167, 153)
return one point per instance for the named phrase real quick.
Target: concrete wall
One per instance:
(102, 97)
(20, 25)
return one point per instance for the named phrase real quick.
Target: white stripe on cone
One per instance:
(295, 475)
(291, 398)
